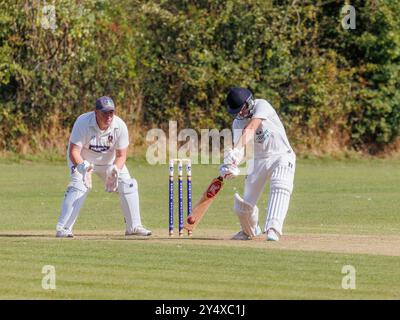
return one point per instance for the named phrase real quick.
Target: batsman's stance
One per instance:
(274, 160)
(98, 143)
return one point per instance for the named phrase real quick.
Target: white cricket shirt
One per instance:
(270, 138)
(98, 146)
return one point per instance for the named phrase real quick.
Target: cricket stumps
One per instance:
(180, 162)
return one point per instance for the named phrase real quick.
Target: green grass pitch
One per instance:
(341, 213)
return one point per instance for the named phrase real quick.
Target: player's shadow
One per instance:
(10, 235)
(112, 237)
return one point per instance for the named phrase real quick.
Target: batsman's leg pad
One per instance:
(77, 182)
(248, 216)
(282, 178)
(71, 206)
(281, 187)
(129, 199)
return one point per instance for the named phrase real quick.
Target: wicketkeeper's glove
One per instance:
(85, 169)
(112, 179)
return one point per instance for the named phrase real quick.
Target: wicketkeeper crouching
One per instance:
(98, 143)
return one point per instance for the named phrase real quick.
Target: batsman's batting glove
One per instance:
(228, 172)
(85, 169)
(112, 179)
(233, 156)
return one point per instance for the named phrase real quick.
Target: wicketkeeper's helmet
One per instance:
(236, 99)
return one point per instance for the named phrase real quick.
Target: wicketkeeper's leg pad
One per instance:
(248, 215)
(129, 199)
(72, 204)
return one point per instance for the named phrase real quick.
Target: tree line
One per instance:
(336, 88)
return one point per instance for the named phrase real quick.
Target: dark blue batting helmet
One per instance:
(236, 99)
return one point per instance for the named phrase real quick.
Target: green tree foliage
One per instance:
(51, 74)
(336, 89)
(372, 51)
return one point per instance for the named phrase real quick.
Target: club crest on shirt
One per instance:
(110, 138)
(261, 135)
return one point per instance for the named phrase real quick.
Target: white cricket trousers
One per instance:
(76, 194)
(280, 172)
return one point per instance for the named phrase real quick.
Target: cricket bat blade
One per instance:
(203, 204)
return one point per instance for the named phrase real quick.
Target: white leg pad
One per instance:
(71, 206)
(129, 199)
(280, 192)
(248, 216)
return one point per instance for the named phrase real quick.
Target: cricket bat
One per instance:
(204, 202)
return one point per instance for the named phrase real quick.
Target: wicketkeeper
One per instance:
(98, 144)
(274, 160)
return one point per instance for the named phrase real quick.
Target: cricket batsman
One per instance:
(274, 160)
(98, 144)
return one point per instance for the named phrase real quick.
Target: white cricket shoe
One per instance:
(139, 231)
(272, 235)
(241, 235)
(64, 233)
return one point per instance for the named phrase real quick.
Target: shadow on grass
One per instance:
(94, 236)
(5, 235)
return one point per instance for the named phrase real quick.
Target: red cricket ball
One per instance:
(191, 220)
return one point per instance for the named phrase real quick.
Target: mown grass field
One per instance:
(344, 199)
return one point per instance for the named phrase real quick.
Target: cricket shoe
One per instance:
(64, 233)
(241, 235)
(138, 231)
(272, 235)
